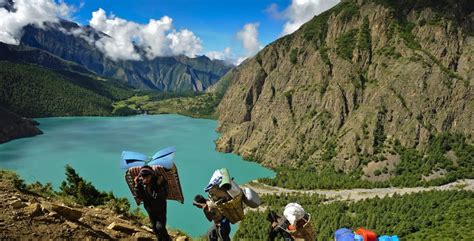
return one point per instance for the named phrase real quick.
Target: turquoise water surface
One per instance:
(93, 145)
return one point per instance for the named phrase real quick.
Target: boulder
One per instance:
(53, 214)
(33, 210)
(147, 228)
(17, 204)
(71, 225)
(142, 236)
(182, 238)
(122, 227)
(68, 213)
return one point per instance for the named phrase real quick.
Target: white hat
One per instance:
(293, 212)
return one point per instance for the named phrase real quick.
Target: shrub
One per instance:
(294, 56)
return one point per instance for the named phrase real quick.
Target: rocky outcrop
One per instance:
(13, 126)
(352, 80)
(28, 215)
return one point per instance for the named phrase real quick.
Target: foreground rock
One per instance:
(28, 216)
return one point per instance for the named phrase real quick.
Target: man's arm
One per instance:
(138, 188)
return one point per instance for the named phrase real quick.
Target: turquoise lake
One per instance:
(93, 146)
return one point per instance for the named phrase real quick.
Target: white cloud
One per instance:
(157, 38)
(184, 42)
(26, 12)
(249, 38)
(273, 11)
(224, 55)
(301, 11)
(240, 60)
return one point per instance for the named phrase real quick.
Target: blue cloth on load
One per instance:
(164, 158)
(216, 179)
(344, 234)
(132, 159)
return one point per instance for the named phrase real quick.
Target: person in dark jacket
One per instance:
(220, 229)
(151, 189)
(279, 226)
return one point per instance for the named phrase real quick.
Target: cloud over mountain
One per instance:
(13, 17)
(156, 38)
(299, 12)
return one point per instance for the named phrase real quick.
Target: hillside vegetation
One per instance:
(448, 157)
(434, 215)
(36, 92)
(191, 104)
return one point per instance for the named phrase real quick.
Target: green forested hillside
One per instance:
(449, 153)
(36, 92)
(434, 215)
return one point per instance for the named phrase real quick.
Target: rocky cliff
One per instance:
(173, 73)
(13, 126)
(353, 80)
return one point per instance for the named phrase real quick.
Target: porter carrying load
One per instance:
(300, 222)
(162, 163)
(229, 197)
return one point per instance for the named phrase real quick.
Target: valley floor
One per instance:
(360, 193)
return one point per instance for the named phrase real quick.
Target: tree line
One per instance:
(412, 167)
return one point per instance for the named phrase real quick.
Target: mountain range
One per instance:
(173, 73)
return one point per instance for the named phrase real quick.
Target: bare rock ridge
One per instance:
(354, 78)
(13, 126)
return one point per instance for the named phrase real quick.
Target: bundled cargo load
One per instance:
(232, 209)
(388, 238)
(162, 163)
(361, 234)
(226, 194)
(300, 222)
(344, 234)
(251, 198)
(229, 197)
(366, 234)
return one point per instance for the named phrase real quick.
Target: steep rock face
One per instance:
(174, 73)
(13, 126)
(352, 80)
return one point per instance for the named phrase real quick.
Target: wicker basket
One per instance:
(233, 209)
(173, 185)
(306, 232)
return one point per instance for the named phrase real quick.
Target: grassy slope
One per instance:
(194, 105)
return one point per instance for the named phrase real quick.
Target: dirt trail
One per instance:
(361, 193)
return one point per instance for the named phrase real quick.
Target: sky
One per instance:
(230, 30)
